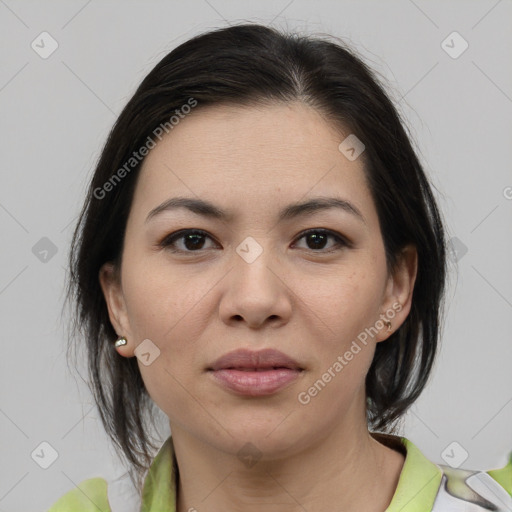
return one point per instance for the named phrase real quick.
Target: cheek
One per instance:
(170, 309)
(344, 302)
(344, 349)
(162, 298)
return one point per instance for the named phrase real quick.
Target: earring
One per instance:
(388, 323)
(120, 342)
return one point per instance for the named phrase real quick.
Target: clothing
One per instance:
(422, 487)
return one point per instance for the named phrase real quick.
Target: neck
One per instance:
(348, 468)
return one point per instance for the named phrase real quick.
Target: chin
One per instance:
(266, 436)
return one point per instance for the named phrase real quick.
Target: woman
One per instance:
(261, 256)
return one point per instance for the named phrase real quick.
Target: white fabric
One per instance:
(481, 483)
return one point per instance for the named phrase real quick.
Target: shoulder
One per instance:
(504, 475)
(425, 485)
(475, 490)
(90, 495)
(98, 495)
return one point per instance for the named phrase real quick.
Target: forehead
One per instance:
(251, 154)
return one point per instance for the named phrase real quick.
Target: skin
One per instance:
(302, 300)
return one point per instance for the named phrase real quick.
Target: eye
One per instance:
(193, 240)
(317, 239)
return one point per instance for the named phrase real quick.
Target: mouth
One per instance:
(248, 360)
(250, 373)
(258, 368)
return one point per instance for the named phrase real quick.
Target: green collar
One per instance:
(416, 491)
(159, 491)
(419, 480)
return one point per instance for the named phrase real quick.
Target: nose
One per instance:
(256, 293)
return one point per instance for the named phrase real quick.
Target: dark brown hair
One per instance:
(253, 64)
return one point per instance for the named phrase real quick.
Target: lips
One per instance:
(256, 361)
(255, 374)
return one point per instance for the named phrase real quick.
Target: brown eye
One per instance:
(193, 240)
(317, 239)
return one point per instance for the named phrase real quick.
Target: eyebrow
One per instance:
(207, 209)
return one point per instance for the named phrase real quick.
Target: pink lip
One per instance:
(253, 373)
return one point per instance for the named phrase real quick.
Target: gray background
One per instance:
(56, 113)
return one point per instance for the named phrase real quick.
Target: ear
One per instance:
(397, 300)
(110, 281)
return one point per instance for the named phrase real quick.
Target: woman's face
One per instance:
(254, 280)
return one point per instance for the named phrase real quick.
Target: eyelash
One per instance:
(169, 240)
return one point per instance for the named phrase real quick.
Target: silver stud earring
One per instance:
(120, 342)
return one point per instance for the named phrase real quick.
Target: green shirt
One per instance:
(423, 486)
